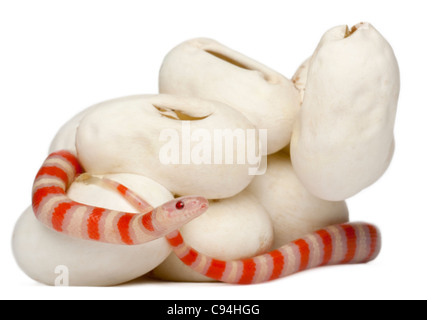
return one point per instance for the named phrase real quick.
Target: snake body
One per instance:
(338, 244)
(56, 210)
(348, 243)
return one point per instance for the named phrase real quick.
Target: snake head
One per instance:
(185, 208)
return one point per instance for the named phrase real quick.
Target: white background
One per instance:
(59, 57)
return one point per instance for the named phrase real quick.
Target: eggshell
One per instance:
(147, 135)
(294, 211)
(343, 138)
(207, 69)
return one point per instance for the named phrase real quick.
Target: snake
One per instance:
(56, 210)
(347, 243)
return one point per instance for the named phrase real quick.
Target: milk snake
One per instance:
(338, 244)
(56, 210)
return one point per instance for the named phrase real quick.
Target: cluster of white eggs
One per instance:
(329, 135)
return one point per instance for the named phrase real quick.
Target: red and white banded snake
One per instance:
(56, 210)
(339, 244)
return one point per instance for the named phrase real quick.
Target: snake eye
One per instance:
(180, 205)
